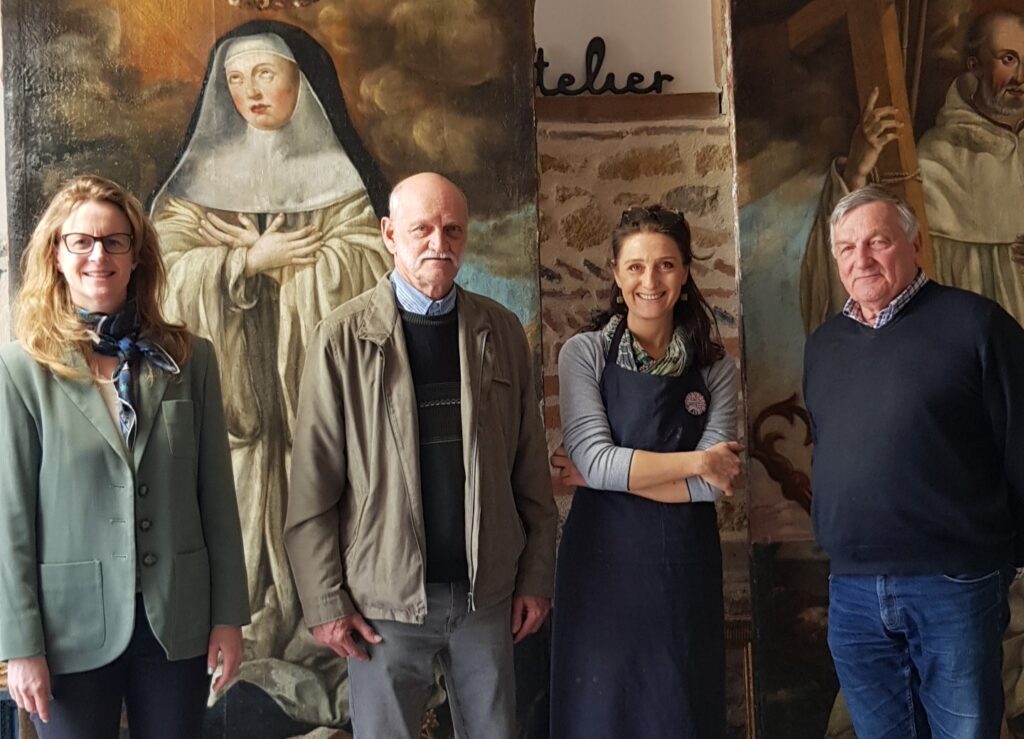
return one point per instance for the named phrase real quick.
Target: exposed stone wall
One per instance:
(5, 293)
(590, 173)
(6, 332)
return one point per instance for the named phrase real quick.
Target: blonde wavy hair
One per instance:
(46, 320)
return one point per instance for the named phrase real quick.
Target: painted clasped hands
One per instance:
(269, 251)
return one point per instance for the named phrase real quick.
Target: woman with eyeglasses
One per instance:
(648, 408)
(121, 568)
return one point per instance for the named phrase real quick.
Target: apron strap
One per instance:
(612, 356)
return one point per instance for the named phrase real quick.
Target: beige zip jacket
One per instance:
(354, 529)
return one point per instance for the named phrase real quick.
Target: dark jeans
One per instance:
(920, 656)
(165, 699)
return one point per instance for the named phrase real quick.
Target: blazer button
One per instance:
(149, 560)
(143, 491)
(145, 524)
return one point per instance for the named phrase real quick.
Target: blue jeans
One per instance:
(920, 656)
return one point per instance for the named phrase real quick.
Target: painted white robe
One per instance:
(260, 328)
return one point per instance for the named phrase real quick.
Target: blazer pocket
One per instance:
(179, 420)
(191, 601)
(71, 601)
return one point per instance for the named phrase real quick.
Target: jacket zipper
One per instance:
(474, 457)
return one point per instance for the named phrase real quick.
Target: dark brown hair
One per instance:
(691, 311)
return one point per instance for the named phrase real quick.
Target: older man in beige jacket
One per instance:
(421, 526)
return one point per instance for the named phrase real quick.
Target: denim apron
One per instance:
(638, 642)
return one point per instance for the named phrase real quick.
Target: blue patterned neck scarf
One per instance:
(117, 335)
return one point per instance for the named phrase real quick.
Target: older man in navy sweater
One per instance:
(916, 397)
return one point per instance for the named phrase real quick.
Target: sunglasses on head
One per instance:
(665, 217)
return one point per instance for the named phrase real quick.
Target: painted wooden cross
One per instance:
(877, 62)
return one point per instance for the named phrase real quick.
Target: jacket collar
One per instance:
(380, 319)
(83, 393)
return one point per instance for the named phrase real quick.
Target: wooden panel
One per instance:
(597, 108)
(878, 62)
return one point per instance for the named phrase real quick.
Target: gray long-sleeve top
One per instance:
(587, 437)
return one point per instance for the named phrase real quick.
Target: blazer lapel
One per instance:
(86, 396)
(152, 386)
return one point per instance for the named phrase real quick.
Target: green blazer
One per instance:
(79, 515)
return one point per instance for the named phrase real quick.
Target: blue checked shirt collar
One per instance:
(852, 308)
(412, 300)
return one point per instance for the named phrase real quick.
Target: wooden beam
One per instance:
(806, 28)
(878, 62)
(598, 108)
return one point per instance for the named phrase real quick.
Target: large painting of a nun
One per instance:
(266, 135)
(269, 220)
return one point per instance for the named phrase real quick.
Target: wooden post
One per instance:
(878, 62)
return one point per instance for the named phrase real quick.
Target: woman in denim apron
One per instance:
(648, 412)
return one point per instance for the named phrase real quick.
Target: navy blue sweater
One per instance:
(918, 426)
(433, 346)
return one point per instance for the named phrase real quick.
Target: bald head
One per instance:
(426, 230)
(418, 185)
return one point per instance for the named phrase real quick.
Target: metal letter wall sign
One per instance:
(594, 58)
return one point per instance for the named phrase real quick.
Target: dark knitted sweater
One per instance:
(918, 466)
(433, 346)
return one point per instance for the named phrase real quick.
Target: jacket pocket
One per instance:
(179, 424)
(501, 387)
(71, 601)
(191, 598)
(501, 411)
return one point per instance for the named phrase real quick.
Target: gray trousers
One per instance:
(474, 651)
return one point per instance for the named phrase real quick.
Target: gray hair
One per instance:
(866, 196)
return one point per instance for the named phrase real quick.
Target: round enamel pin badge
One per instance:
(695, 404)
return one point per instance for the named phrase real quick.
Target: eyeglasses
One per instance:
(84, 243)
(664, 216)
